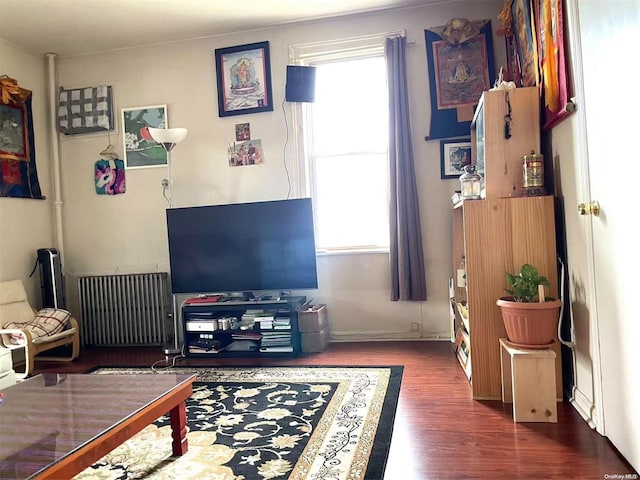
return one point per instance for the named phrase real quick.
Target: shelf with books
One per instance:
(494, 235)
(240, 329)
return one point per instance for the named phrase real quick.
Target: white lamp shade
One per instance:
(168, 135)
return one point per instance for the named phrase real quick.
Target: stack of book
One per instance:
(265, 320)
(276, 342)
(282, 323)
(247, 335)
(249, 317)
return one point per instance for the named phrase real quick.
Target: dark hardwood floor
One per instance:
(440, 432)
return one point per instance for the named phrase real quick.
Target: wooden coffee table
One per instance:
(54, 426)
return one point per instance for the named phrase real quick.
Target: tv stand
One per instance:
(235, 327)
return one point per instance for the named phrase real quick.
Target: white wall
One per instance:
(27, 224)
(127, 233)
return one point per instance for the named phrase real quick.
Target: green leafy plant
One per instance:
(524, 285)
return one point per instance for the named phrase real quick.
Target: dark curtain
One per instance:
(406, 256)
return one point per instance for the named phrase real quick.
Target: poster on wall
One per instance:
(140, 150)
(18, 174)
(461, 67)
(110, 177)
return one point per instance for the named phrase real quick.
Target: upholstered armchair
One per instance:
(23, 327)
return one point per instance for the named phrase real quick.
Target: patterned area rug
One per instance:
(316, 423)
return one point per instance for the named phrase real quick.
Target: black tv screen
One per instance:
(242, 247)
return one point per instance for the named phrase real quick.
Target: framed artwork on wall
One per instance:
(244, 79)
(140, 150)
(454, 155)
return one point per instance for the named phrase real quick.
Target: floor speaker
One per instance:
(51, 280)
(301, 83)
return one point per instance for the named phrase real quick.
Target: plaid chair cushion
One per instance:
(47, 321)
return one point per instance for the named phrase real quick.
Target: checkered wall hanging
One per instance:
(85, 110)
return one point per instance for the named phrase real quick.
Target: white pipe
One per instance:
(55, 152)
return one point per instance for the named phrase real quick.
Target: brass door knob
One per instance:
(592, 208)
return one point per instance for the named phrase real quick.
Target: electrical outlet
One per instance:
(415, 327)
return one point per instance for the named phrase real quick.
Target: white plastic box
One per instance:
(7, 375)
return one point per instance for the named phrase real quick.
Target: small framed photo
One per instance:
(246, 153)
(454, 155)
(244, 79)
(140, 150)
(243, 132)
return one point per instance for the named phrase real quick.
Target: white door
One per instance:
(608, 100)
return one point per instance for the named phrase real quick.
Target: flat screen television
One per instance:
(242, 247)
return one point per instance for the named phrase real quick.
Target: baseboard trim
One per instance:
(385, 336)
(584, 406)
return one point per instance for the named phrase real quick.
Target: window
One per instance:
(346, 129)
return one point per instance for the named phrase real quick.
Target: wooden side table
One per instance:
(529, 382)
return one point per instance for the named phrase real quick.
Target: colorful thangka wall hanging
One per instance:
(18, 174)
(461, 67)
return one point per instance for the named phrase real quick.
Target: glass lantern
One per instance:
(471, 183)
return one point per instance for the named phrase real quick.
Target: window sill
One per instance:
(353, 251)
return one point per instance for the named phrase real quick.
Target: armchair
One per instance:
(23, 327)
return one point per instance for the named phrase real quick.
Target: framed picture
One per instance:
(140, 150)
(454, 155)
(244, 79)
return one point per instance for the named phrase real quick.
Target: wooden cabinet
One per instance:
(513, 113)
(497, 235)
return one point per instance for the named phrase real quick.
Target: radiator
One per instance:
(123, 310)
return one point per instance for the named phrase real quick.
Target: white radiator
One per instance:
(123, 310)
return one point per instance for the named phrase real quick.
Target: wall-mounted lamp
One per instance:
(168, 138)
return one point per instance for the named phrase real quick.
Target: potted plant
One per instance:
(530, 318)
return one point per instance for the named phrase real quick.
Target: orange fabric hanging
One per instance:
(550, 59)
(11, 92)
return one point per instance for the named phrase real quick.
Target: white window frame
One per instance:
(318, 52)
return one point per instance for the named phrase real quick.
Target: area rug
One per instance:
(315, 423)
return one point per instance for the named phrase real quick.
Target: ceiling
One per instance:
(76, 27)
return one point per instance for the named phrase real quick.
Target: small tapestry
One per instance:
(461, 67)
(18, 174)
(85, 110)
(109, 177)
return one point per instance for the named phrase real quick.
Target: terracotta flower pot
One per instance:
(534, 324)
